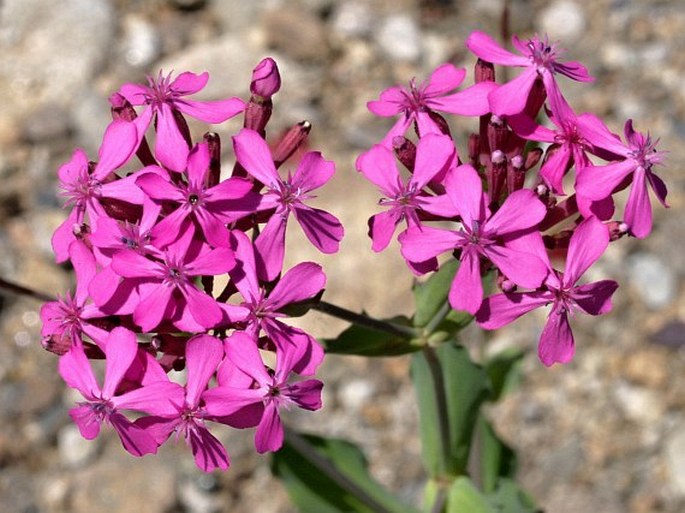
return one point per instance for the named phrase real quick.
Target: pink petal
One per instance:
(465, 189)
(84, 267)
(599, 182)
(270, 248)
(77, 373)
(425, 124)
(188, 83)
(169, 229)
(424, 243)
(389, 104)
(171, 149)
(433, 153)
(301, 282)
(129, 264)
(211, 112)
(213, 228)
(382, 228)
(203, 354)
(231, 188)
(527, 128)
(596, 132)
(124, 189)
(555, 167)
(269, 436)
(254, 155)
(524, 269)
(502, 309)
(118, 144)
(307, 394)
(244, 274)
(638, 211)
(64, 236)
(659, 188)
(209, 452)
(204, 308)
(511, 98)
(223, 401)
(379, 167)
(212, 263)
(134, 439)
(122, 347)
(198, 166)
(241, 350)
(595, 298)
(489, 50)
(472, 101)
(313, 172)
(136, 94)
(444, 79)
(153, 308)
(162, 398)
(321, 228)
(556, 342)
(521, 210)
(573, 70)
(86, 421)
(466, 291)
(587, 244)
(399, 128)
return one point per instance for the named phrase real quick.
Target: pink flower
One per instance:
(203, 355)
(416, 103)
(162, 98)
(286, 197)
(211, 207)
(104, 405)
(83, 186)
(266, 80)
(434, 153)
(639, 155)
(499, 238)
(538, 57)
(272, 389)
(172, 293)
(587, 244)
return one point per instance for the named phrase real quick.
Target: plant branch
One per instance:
(24, 291)
(301, 444)
(364, 320)
(439, 316)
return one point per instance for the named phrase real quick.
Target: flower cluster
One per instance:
(180, 268)
(507, 202)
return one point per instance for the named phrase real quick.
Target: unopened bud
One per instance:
(292, 140)
(484, 71)
(405, 151)
(266, 80)
(497, 157)
(214, 146)
(532, 158)
(474, 149)
(617, 229)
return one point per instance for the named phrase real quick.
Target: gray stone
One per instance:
(399, 37)
(355, 393)
(74, 450)
(653, 279)
(674, 450)
(564, 20)
(141, 42)
(352, 19)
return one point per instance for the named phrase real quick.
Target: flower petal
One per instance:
(502, 309)
(587, 244)
(556, 342)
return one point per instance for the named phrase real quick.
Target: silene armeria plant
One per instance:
(180, 266)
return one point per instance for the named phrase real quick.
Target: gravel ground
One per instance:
(604, 433)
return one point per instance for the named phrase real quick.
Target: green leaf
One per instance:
(464, 497)
(432, 294)
(496, 459)
(504, 370)
(313, 490)
(363, 341)
(511, 498)
(465, 387)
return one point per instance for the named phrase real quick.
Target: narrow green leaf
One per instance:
(432, 294)
(464, 497)
(504, 370)
(496, 459)
(313, 490)
(511, 498)
(363, 341)
(465, 386)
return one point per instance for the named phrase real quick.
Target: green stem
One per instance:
(364, 320)
(440, 500)
(439, 316)
(440, 402)
(302, 445)
(24, 291)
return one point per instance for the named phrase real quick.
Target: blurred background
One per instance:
(604, 433)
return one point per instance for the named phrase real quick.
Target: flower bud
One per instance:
(405, 150)
(291, 141)
(266, 80)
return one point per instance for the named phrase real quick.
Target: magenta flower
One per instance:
(434, 153)
(272, 389)
(103, 405)
(266, 79)
(203, 355)
(416, 103)
(493, 237)
(162, 97)
(539, 57)
(556, 344)
(286, 197)
(83, 186)
(171, 292)
(65, 320)
(304, 281)
(639, 155)
(211, 207)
